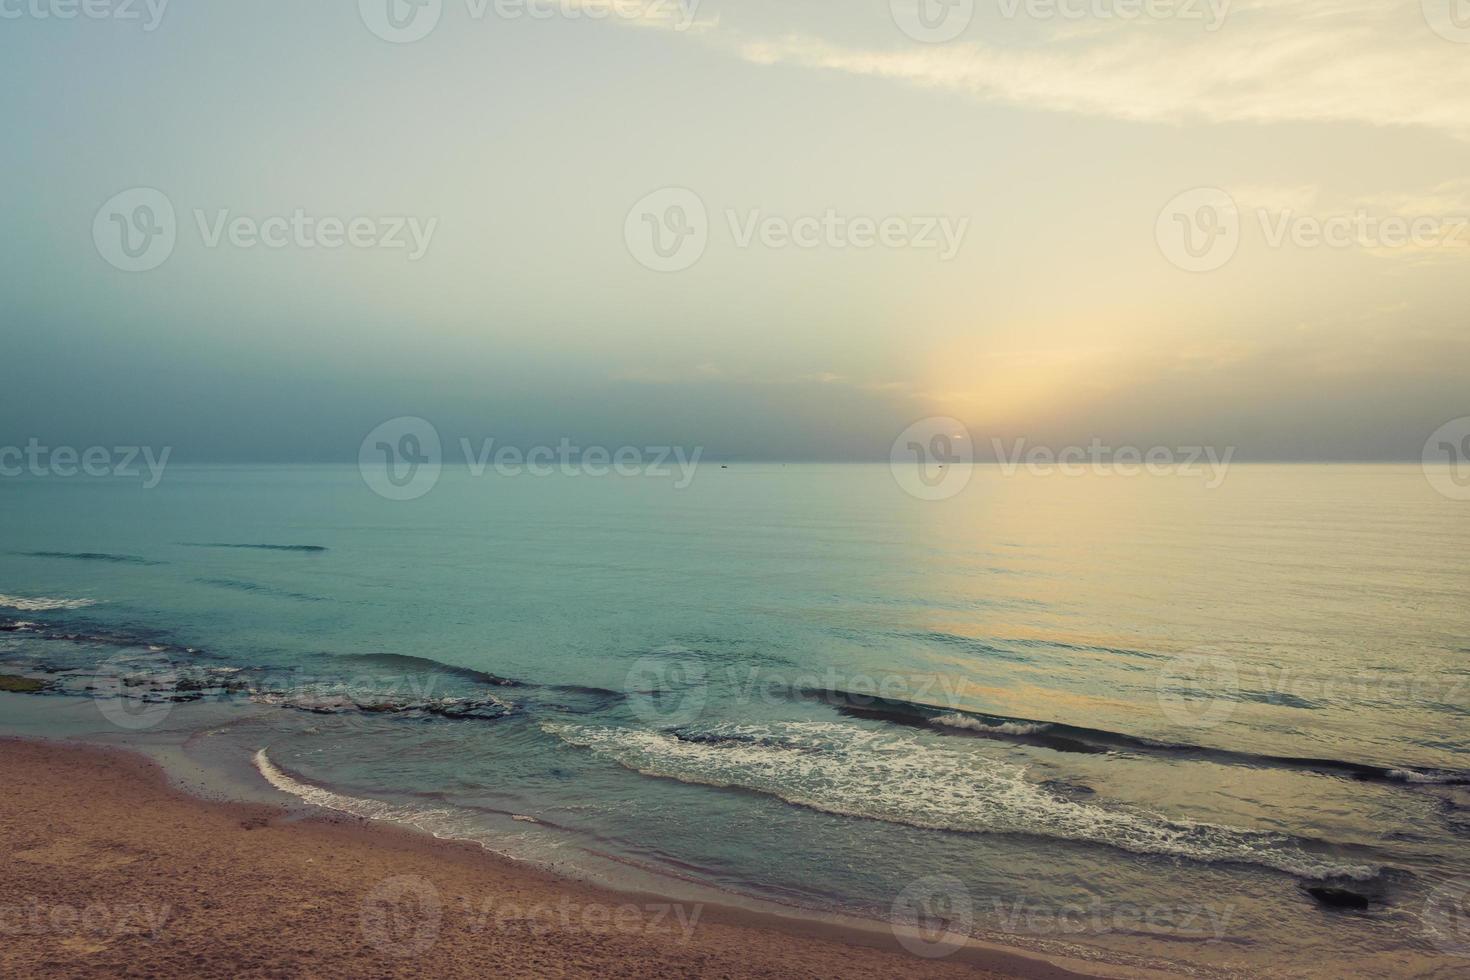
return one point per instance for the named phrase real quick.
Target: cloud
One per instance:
(1352, 61)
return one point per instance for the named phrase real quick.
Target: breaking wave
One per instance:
(439, 822)
(970, 723)
(854, 772)
(458, 822)
(43, 603)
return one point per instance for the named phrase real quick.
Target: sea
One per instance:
(1146, 721)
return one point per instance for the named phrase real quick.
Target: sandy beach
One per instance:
(109, 870)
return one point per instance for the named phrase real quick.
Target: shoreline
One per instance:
(115, 869)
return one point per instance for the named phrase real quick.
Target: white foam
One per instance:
(1430, 778)
(43, 603)
(957, 720)
(857, 772)
(433, 821)
(315, 795)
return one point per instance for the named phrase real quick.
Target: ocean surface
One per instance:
(1134, 719)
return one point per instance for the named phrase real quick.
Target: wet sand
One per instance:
(108, 870)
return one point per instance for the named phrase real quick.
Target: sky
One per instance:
(771, 230)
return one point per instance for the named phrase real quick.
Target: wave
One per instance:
(443, 822)
(576, 698)
(43, 603)
(855, 772)
(1086, 648)
(240, 585)
(369, 703)
(972, 645)
(430, 820)
(1001, 646)
(90, 556)
(1062, 737)
(970, 723)
(1428, 777)
(407, 661)
(307, 548)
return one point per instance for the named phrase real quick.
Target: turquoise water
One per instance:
(1119, 714)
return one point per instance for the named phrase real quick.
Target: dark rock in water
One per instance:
(1337, 898)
